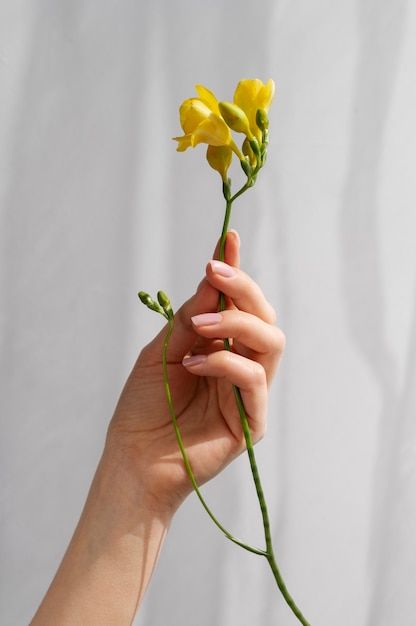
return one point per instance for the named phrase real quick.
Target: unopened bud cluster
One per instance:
(162, 305)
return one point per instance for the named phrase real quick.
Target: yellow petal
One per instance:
(265, 95)
(246, 93)
(251, 95)
(213, 131)
(184, 142)
(208, 98)
(192, 112)
(219, 158)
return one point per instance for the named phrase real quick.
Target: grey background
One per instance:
(96, 204)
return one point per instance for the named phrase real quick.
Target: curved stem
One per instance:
(241, 191)
(183, 450)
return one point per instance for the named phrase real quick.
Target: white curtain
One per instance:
(97, 204)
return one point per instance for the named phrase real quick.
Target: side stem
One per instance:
(185, 457)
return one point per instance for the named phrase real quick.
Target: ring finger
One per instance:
(253, 338)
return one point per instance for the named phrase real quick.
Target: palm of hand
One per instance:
(202, 394)
(207, 417)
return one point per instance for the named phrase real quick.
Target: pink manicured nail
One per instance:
(218, 267)
(206, 319)
(197, 359)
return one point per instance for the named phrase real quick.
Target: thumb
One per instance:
(204, 300)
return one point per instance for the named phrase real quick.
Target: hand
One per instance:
(201, 374)
(141, 478)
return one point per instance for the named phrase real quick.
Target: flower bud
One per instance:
(235, 118)
(165, 303)
(254, 144)
(262, 119)
(219, 158)
(150, 303)
(163, 299)
(145, 298)
(246, 167)
(248, 151)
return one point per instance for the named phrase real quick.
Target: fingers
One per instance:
(244, 292)
(246, 374)
(183, 336)
(265, 340)
(205, 299)
(232, 248)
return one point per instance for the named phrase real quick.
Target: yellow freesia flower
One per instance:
(251, 95)
(201, 122)
(219, 158)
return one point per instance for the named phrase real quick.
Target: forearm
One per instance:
(111, 556)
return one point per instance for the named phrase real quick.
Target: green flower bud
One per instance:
(246, 167)
(145, 298)
(262, 119)
(165, 303)
(150, 303)
(254, 144)
(163, 299)
(247, 151)
(235, 118)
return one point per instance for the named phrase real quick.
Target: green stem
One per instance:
(249, 442)
(239, 400)
(185, 457)
(285, 593)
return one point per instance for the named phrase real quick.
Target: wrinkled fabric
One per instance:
(96, 204)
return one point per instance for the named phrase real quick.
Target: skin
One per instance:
(140, 480)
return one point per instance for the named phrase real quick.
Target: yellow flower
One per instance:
(219, 158)
(201, 122)
(251, 95)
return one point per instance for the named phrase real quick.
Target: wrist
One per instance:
(112, 553)
(125, 474)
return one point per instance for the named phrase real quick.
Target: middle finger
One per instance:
(264, 340)
(243, 290)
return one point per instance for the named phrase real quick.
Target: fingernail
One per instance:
(218, 267)
(206, 319)
(197, 359)
(236, 235)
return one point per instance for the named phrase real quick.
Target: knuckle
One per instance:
(183, 316)
(245, 322)
(279, 340)
(258, 374)
(226, 356)
(272, 314)
(283, 340)
(260, 432)
(258, 427)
